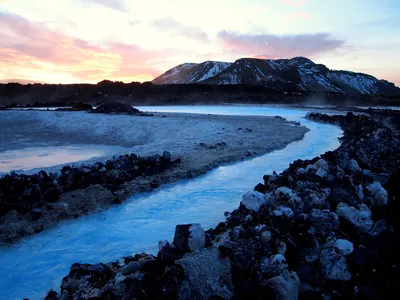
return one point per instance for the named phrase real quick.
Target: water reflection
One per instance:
(42, 157)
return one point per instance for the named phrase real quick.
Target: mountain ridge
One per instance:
(191, 72)
(295, 73)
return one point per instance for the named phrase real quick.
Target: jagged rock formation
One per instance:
(298, 73)
(191, 73)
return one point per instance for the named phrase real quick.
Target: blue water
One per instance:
(38, 263)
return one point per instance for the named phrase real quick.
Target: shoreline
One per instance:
(257, 131)
(327, 226)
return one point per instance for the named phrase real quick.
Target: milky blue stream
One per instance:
(38, 263)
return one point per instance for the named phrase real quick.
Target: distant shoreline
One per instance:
(34, 95)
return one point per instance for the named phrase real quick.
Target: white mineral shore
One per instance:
(201, 141)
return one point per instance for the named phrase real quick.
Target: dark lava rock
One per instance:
(96, 275)
(52, 194)
(333, 265)
(36, 213)
(115, 107)
(189, 238)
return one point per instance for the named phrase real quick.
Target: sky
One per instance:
(86, 41)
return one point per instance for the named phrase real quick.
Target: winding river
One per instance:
(38, 263)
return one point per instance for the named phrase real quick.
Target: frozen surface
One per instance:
(38, 263)
(36, 158)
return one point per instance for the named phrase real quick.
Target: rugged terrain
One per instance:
(298, 73)
(247, 80)
(191, 73)
(327, 228)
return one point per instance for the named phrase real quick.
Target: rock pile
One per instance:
(326, 228)
(31, 203)
(115, 107)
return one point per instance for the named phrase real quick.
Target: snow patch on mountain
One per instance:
(213, 69)
(173, 75)
(191, 73)
(362, 83)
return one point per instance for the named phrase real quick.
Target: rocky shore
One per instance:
(32, 203)
(327, 228)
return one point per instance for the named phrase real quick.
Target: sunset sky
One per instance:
(73, 41)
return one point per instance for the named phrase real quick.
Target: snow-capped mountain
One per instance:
(298, 73)
(191, 73)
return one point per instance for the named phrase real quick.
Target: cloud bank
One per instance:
(275, 46)
(28, 47)
(177, 28)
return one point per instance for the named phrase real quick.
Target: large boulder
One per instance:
(323, 164)
(266, 237)
(353, 166)
(286, 285)
(333, 265)
(254, 200)
(360, 218)
(321, 173)
(284, 192)
(339, 173)
(283, 211)
(189, 238)
(344, 246)
(207, 274)
(323, 220)
(279, 261)
(378, 193)
(318, 197)
(166, 252)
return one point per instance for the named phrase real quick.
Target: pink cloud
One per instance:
(27, 47)
(274, 46)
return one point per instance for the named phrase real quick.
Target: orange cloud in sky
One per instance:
(31, 51)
